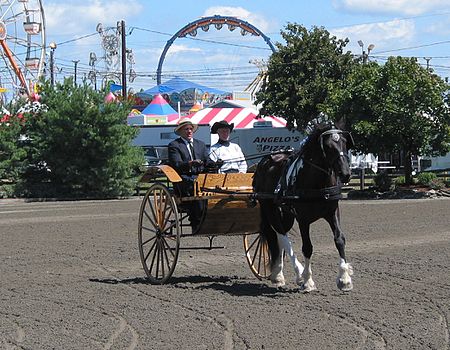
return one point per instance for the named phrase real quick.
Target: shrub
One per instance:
(80, 147)
(383, 182)
(436, 184)
(399, 181)
(425, 178)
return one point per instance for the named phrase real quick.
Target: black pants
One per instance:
(195, 208)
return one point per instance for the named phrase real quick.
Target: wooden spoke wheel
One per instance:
(159, 233)
(257, 254)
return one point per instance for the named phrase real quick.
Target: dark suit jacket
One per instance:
(179, 156)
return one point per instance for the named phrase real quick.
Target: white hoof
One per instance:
(308, 286)
(344, 280)
(344, 286)
(278, 279)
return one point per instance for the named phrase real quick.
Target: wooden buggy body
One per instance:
(231, 209)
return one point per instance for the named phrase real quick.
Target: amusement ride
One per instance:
(22, 41)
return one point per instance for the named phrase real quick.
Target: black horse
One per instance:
(306, 186)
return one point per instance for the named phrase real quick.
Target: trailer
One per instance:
(254, 142)
(263, 139)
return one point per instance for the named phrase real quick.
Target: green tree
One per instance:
(80, 146)
(12, 156)
(398, 106)
(302, 73)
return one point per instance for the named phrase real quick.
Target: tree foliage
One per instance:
(398, 106)
(301, 74)
(79, 146)
(12, 156)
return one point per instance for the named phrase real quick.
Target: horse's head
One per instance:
(333, 143)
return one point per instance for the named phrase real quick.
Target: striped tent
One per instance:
(243, 118)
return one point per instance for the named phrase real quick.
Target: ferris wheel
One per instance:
(22, 46)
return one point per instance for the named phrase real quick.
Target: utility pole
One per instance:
(52, 63)
(75, 71)
(124, 60)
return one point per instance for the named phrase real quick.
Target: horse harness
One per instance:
(289, 175)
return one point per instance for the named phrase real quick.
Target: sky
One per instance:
(227, 60)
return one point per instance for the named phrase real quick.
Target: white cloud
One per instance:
(254, 19)
(176, 49)
(81, 17)
(403, 7)
(383, 35)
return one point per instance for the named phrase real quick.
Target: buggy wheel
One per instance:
(257, 254)
(159, 234)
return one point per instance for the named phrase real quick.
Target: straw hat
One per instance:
(183, 122)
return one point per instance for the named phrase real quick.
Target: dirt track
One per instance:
(71, 279)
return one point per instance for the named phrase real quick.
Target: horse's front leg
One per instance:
(286, 246)
(344, 279)
(308, 284)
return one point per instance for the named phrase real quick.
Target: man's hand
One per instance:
(219, 163)
(195, 162)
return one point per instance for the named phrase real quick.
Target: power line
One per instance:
(416, 47)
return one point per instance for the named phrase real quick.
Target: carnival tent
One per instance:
(160, 107)
(178, 85)
(157, 112)
(110, 97)
(242, 118)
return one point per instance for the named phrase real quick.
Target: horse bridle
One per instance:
(336, 135)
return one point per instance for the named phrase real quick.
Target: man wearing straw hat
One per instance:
(189, 157)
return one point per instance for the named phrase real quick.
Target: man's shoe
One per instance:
(195, 226)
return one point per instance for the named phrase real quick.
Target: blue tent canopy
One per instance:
(178, 85)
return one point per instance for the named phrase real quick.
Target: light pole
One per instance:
(365, 55)
(428, 59)
(53, 46)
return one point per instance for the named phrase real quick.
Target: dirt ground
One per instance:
(71, 278)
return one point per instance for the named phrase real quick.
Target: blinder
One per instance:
(335, 136)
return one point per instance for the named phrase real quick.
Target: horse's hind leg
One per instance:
(343, 280)
(308, 284)
(276, 267)
(286, 246)
(277, 276)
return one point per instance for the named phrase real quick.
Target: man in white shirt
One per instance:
(225, 151)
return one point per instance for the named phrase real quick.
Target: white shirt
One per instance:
(232, 157)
